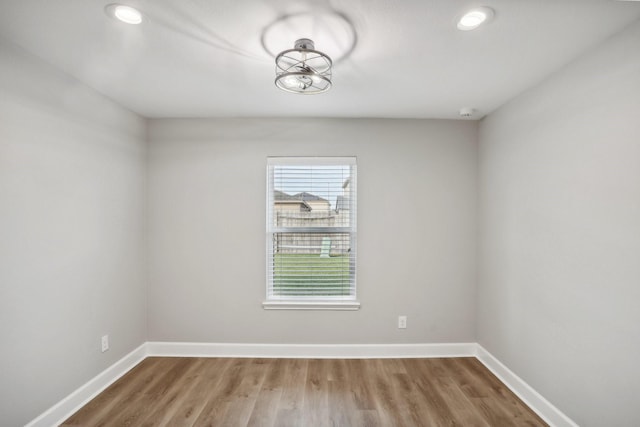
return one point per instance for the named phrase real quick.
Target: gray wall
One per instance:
(559, 274)
(416, 230)
(71, 235)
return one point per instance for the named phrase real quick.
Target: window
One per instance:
(311, 233)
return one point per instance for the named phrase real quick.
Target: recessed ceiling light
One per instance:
(474, 18)
(126, 14)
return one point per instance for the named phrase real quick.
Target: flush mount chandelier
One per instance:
(303, 69)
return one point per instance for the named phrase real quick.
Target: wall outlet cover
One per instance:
(402, 322)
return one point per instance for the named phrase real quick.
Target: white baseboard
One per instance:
(541, 406)
(66, 407)
(311, 351)
(62, 410)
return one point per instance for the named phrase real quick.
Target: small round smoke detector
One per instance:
(467, 112)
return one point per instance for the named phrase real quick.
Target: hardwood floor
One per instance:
(164, 391)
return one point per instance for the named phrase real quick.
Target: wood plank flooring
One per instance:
(165, 391)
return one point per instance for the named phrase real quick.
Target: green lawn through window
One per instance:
(311, 274)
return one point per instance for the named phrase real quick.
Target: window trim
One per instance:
(341, 305)
(310, 302)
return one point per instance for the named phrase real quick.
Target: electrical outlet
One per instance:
(402, 322)
(105, 343)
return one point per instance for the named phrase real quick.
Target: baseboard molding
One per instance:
(66, 407)
(311, 351)
(541, 406)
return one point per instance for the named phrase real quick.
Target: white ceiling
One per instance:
(403, 58)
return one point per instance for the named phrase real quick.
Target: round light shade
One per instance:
(303, 69)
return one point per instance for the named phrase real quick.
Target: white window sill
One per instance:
(311, 305)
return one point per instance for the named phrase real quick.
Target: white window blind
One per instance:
(311, 229)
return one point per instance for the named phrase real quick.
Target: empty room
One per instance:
(319, 213)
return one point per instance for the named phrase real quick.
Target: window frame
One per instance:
(311, 302)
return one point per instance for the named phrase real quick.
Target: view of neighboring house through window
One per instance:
(311, 229)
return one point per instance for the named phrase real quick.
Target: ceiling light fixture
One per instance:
(474, 18)
(126, 14)
(303, 69)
